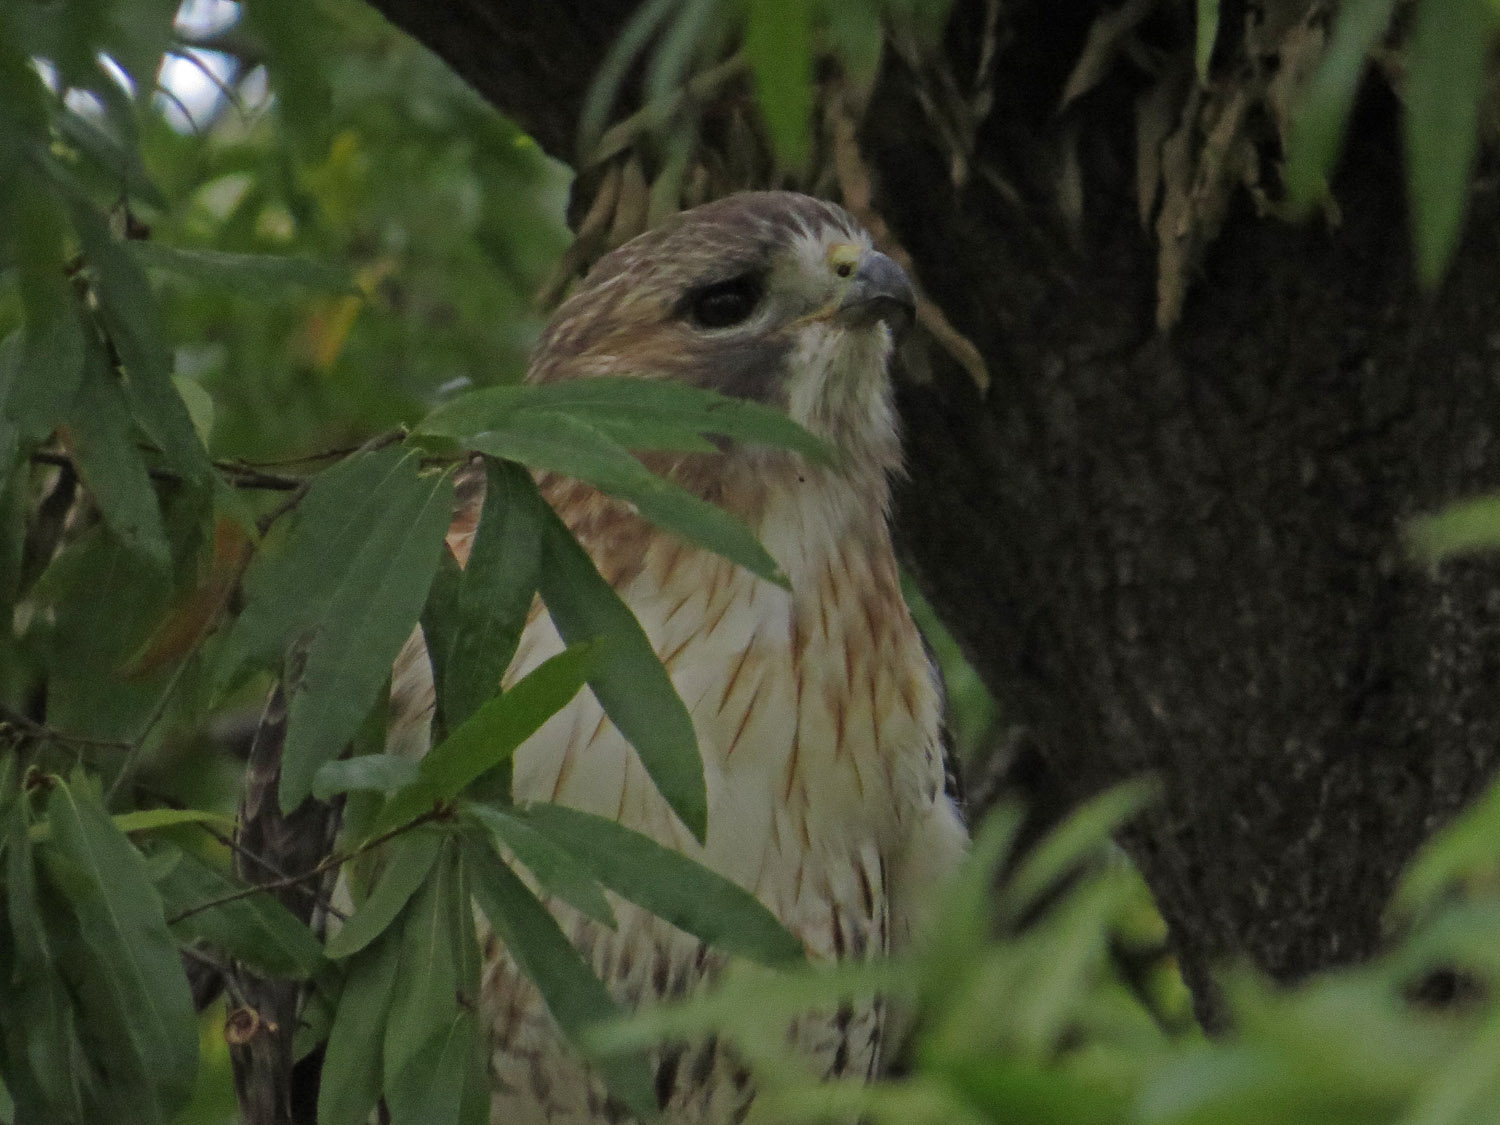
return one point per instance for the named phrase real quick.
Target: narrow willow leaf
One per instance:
(1322, 112)
(490, 738)
(573, 994)
(290, 580)
(779, 47)
(475, 616)
(351, 1075)
(669, 884)
(51, 370)
(1459, 529)
(445, 1079)
(121, 161)
(99, 435)
(746, 995)
(267, 276)
(555, 869)
(627, 676)
(410, 862)
(857, 39)
(375, 773)
(37, 1019)
(425, 999)
(1466, 1088)
(564, 444)
(52, 352)
(442, 616)
(128, 308)
(1207, 27)
(364, 574)
(1445, 83)
(256, 930)
(1086, 829)
(135, 978)
(1468, 846)
(151, 820)
(639, 413)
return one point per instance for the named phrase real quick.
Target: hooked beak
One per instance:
(879, 290)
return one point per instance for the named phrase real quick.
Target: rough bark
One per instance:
(271, 1086)
(1173, 553)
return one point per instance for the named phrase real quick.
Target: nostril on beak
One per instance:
(879, 290)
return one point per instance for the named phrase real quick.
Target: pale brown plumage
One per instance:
(815, 710)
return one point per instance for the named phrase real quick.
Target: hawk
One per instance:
(816, 709)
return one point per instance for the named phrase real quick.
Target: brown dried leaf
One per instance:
(1105, 39)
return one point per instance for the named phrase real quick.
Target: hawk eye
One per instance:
(725, 304)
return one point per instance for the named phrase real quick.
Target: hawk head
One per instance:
(771, 296)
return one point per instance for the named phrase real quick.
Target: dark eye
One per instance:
(726, 304)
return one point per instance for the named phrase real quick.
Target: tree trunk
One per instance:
(1173, 551)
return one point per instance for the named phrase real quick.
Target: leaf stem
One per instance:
(326, 865)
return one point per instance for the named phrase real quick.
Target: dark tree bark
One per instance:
(271, 1086)
(1170, 551)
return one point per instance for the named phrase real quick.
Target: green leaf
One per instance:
(120, 160)
(670, 885)
(292, 578)
(1466, 847)
(554, 867)
(49, 369)
(1466, 1088)
(1450, 42)
(445, 1079)
(361, 630)
(1318, 122)
(378, 773)
(627, 676)
(433, 1064)
(100, 438)
(857, 39)
(573, 994)
(1207, 26)
(1459, 529)
(256, 930)
(638, 413)
(265, 276)
(425, 1001)
(474, 616)
(150, 820)
(344, 594)
(778, 45)
(410, 862)
(138, 995)
(52, 345)
(552, 440)
(129, 312)
(37, 1017)
(489, 739)
(1086, 830)
(351, 1076)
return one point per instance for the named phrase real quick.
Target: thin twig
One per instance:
(322, 868)
(219, 967)
(241, 474)
(52, 734)
(239, 849)
(651, 116)
(301, 459)
(380, 441)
